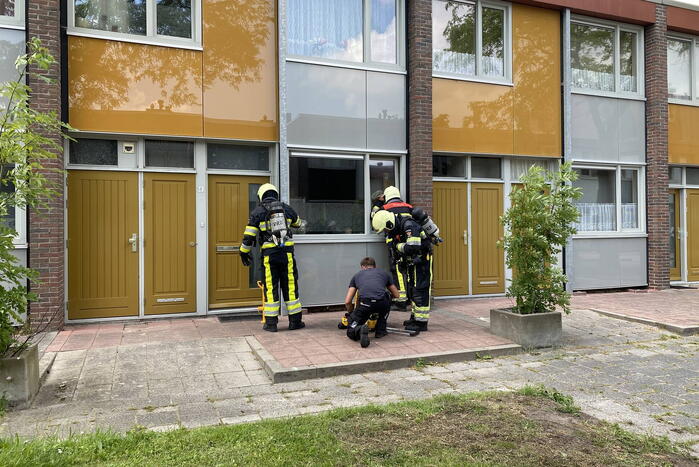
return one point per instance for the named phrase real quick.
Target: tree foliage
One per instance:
(25, 141)
(538, 225)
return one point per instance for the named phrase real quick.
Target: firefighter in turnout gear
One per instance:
(415, 248)
(391, 201)
(271, 220)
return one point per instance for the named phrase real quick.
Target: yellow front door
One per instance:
(231, 198)
(450, 200)
(102, 244)
(169, 243)
(693, 235)
(488, 259)
(675, 262)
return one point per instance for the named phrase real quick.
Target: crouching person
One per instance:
(372, 286)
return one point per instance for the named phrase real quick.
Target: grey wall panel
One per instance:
(385, 111)
(607, 263)
(594, 128)
(607, 129)
(325, 269)
(632, 131)
(326, 106)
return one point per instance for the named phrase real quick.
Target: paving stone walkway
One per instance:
(636, 375)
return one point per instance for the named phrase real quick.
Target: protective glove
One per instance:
(246, 258)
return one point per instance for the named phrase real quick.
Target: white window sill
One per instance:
(133, 39)
(5, 24)
(300, 239)
(613, 95)
(600, 235)
(689, 103)
(395, 69)
(473, 79)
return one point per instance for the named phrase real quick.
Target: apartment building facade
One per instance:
(183, 108)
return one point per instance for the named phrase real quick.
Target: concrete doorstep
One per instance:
(279, 374)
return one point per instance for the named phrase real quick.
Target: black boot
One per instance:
(295, 322)
(364, 336)
(270, 323)
(410, 321)
(416, 326)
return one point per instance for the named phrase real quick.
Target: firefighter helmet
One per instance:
(265, 188)
(391, 192)
(383, 220)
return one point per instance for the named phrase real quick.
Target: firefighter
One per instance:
(390, 200)
(373, 286)
(271, 220)
(415, 248)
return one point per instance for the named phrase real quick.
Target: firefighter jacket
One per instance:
(408, 239)
(258, 225)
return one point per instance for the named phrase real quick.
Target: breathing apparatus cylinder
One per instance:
(277, 222)
(427, 225)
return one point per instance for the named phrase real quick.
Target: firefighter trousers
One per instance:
(400, 279)
(363, 311)
(280, 271)
(420, 276)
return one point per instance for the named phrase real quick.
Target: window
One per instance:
(519, 166)
(675, 175)
(382, 173)
(470, 39)
(449, 166)
(328, 192)
(336, 30)
(611, 199)
(93, 152)
(157, 20)
(682, 65)
(234, 157)
(178, 154)
(12, 12)
(15, 218)
(605, 57)
(692, 176)
(485, 167)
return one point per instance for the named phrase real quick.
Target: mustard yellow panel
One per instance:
(536, 74)
(133, 88)
(471, 117)
(240, 69)
(683, 127)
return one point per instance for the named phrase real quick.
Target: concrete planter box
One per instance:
(19, 377)
(530, 331)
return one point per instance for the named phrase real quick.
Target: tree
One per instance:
(25, 140)
(538, 224)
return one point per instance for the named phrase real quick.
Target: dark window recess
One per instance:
(170, 154)
(485, 167)
(94, 152)
(448, 166)
(233, 157)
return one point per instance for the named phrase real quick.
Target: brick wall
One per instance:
(658, 212)
(45, 226)
(419, 51)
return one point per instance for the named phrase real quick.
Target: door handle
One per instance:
(192, 244)
(465, 237)
(133, 240)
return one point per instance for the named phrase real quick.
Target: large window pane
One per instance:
(629, 199)
(598, 204)
(592, 57)
(493, 42)
(383, 31)
(11, 46)
(485, 167)
(679, 66)
(382, 173)
(628, 61)
(7, 7)
(170, 154)
(692, 176)
(449, 166)
(7, 193)
(328, 194)
(175, 18)
(454, 37)
(520, 166)
(234, 157)
(326, 29)
(94, 152)
(127, 16)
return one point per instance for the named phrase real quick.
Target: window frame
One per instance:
(366, 63)
(20, 239)
(640, 183)
(151, 37)
(693, 69)
(17, 20)
(640, 58)
(507, 29)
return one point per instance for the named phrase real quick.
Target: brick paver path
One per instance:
(639, 376)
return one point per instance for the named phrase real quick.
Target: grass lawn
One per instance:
(532, 427)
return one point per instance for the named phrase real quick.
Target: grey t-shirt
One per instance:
(371, 283)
